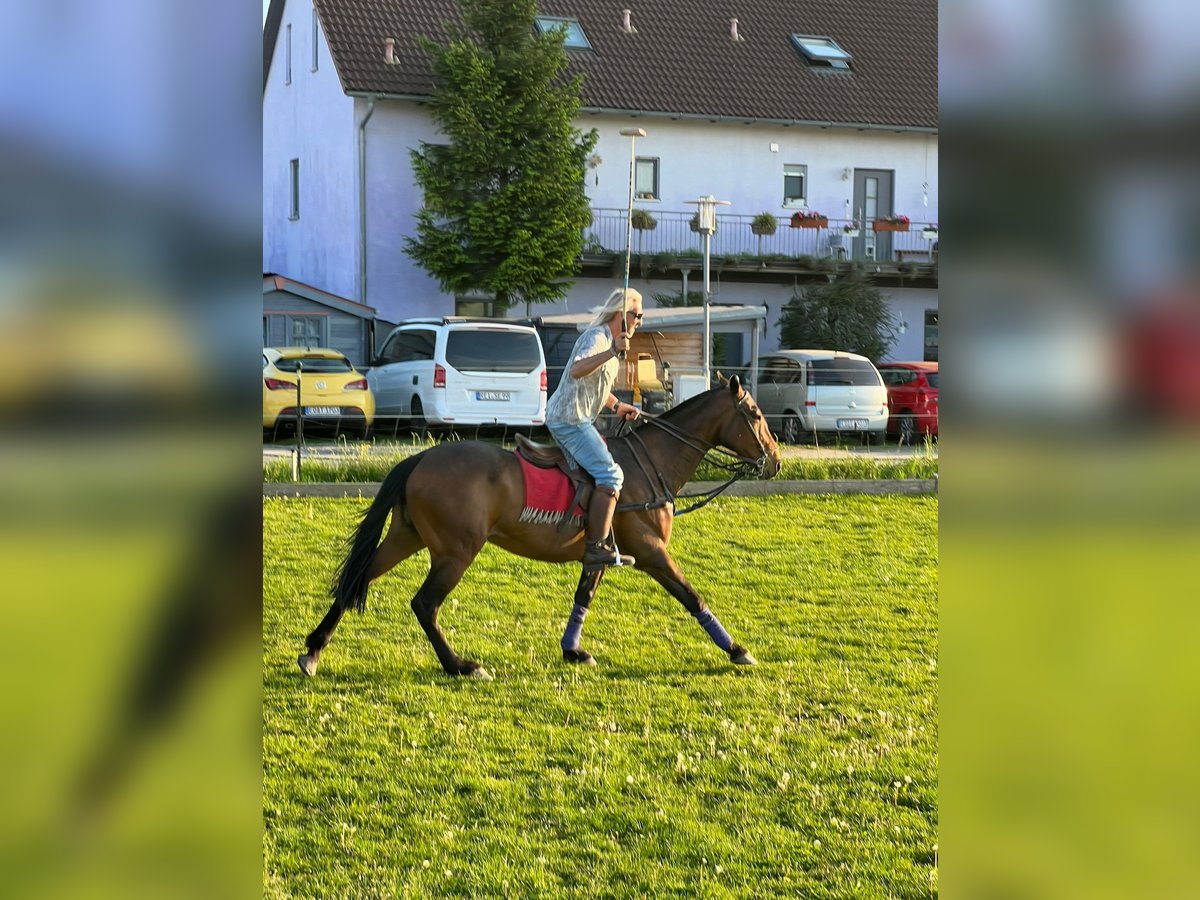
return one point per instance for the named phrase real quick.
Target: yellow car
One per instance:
(332, 392)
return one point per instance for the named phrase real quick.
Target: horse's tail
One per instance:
(350, 585)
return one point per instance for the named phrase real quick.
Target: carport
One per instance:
(662, 336)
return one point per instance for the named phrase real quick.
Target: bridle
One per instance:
(737, 466)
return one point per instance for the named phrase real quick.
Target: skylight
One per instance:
(575, 36)
(822, 51)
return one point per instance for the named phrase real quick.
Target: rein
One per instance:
(739, 467)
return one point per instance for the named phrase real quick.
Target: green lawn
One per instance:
(663, 771)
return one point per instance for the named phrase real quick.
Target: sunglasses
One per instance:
(637, 317)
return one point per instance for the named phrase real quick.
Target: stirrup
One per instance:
(602, 555)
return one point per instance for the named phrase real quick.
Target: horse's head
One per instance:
(745, 431)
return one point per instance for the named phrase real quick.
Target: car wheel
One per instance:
(791, 429)
(908, 429)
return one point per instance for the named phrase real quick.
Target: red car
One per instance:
(912, 399)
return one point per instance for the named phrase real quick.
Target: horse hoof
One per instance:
(308, 664)
(743, 659)
(580, 657)
(480, 674)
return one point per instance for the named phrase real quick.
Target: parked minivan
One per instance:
(805, 392)
(459, 371)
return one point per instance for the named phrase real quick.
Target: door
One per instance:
(405, 362)
(872, 199)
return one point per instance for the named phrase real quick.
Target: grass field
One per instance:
(663, 771)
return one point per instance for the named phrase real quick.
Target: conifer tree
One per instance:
(504, 202)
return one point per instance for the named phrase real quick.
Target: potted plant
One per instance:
(642, 220)
(809, 218)
(891, 223)
(929, 232)
(850, 229)
(764, 223)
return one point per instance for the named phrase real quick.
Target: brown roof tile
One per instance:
(682, 60)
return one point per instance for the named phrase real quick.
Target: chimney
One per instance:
(733, 32)
(625, 24)
(389, 54)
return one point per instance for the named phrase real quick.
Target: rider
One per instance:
(586, 389)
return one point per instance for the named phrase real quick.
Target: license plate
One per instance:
(852, 424)
(491, 395)
(322, 410)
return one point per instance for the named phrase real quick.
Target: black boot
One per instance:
(601, 549)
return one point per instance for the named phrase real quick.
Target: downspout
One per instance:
(362, 204)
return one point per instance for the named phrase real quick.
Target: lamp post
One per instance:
(633, 134)
(706, 218)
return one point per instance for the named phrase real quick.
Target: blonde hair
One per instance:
(613, 306)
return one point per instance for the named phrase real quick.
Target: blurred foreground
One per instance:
(1070, 490)
(129, 515)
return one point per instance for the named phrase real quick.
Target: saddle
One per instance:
(546, 456)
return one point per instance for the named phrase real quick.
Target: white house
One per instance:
(793, 105)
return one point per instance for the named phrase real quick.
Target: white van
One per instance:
(803, 392)
(459, 371)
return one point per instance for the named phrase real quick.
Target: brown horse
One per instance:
(455, 497)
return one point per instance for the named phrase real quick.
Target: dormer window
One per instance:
(576, 39)
(822, 52)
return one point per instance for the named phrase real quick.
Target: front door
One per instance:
(872, 199)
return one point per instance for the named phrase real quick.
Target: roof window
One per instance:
(575, 36)
(822, 51)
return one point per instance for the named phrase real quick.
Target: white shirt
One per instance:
(582, 399)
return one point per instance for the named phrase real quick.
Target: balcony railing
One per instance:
(673, 236)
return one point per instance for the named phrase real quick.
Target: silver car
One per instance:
(806, 392)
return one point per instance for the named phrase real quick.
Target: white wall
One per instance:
(312, 120)
(735, 162)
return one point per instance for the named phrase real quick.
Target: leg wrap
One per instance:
(570, 638)
(711, 625)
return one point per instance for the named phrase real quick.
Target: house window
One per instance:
(822, 52)
(306, 331)
(316, 33)
(476, 307)
(294, 212)
(287, 72)
(645, 179)
(931, 335)
(795, 185)
(575, 39)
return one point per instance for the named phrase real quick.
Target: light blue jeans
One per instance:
(584, 447)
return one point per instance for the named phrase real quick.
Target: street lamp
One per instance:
(633, 134)
(706, 218)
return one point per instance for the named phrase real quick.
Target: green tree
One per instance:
(848, 314)
(504, 203)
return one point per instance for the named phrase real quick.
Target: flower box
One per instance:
(888, 225)
(799, 221)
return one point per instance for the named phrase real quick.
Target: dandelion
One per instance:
(447, 872)
(813, 765)
(895, 784)
(718, 870)
(908, 779)
(425, 863)
(817, 842)
(629, 779)
(896, 828)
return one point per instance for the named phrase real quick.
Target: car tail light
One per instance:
(439, 376)
(360, 385)
(810, 402)
(276, 384)
(545, 380)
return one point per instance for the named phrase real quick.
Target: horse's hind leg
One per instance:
(401, 542)
(585, 591)
(444, 573)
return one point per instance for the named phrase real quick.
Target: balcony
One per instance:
(905, 258)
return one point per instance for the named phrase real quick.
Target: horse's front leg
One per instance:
(662, 568)
(585, 591)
